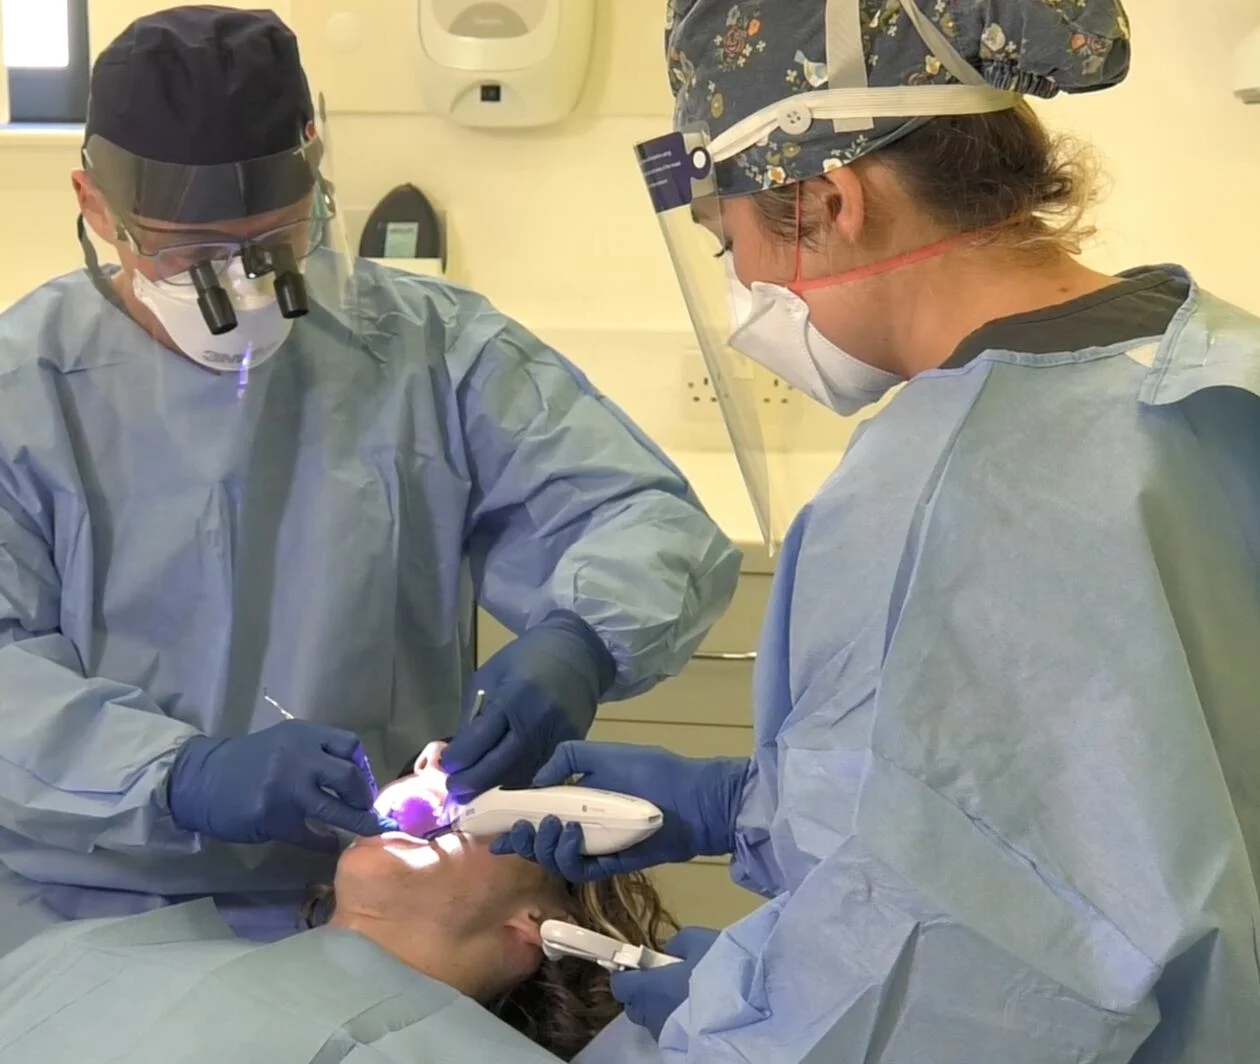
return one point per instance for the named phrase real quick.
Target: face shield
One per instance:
(679, 169)
(229, 256)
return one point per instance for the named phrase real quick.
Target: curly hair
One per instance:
(1004, 173)
(566, 1002)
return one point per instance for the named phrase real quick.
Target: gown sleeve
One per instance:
(575, 509)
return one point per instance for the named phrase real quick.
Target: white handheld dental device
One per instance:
(610, 822)
(561, 939)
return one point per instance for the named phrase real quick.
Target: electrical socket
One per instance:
(773, 391)
(700, 400)
(698, 393)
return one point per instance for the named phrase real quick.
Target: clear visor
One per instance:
(678, 169)
(174, 255)
(161, 195)
(188, 224)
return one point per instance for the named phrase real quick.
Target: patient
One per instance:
(453, 910)
(414, 951)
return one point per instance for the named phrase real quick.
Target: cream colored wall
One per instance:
(555, 226)
(1182, 153)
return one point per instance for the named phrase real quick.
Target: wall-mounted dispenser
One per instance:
(404, 231)
(502, 63)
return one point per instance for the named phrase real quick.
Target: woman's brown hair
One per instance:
(1003, 173)
(566, 1002)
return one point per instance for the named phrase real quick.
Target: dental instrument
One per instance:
(610, 822)
(277, 706)
(562, 939)
(344, 838)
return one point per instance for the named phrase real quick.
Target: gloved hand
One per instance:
(652, 995)
(541, 689)
(265, 786)
(697, 797)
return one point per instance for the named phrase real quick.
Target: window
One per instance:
(46, 58)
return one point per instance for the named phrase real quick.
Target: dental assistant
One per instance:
(245, 478)
(1004, 801)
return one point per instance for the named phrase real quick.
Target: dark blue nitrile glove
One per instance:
(652, 995)
(541, 689)
(698, 798)
(265, 786)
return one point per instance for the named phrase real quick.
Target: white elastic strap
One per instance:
(846, 58)
(938, 44)
(851, 105)
(794, 114)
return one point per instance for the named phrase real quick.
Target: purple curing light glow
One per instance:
(413, 804)
(242, 374)
(418, 803)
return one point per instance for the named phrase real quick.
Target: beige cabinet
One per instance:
(704, 712)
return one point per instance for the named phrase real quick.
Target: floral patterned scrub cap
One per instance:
(732, 59)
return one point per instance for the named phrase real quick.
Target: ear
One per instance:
(525, 927)
(92, 207)
(849, 213)
(522, 945)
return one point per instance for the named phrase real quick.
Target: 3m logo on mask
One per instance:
(225, 360)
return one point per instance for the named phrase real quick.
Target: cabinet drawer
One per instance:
(705, 692)
(690, 740)
(702, 894)
(736, 632)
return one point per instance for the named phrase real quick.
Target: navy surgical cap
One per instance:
(729, 59)
(199, 114)
(200, 85)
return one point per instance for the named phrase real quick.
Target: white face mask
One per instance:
(771, 326)
(260, 327)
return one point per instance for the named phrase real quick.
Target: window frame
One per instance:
(39, 96)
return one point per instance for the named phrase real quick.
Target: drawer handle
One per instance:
(718, 655)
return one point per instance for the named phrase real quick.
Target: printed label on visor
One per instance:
(675, 173)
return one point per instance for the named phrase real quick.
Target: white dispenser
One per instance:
(504, 63)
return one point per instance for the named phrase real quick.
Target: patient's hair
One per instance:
(566, 1002)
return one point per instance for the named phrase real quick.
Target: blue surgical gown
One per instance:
(1005, 797)
(169, 549)
(176, 985)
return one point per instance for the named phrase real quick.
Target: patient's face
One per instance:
(453, 879)
(448, 907)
